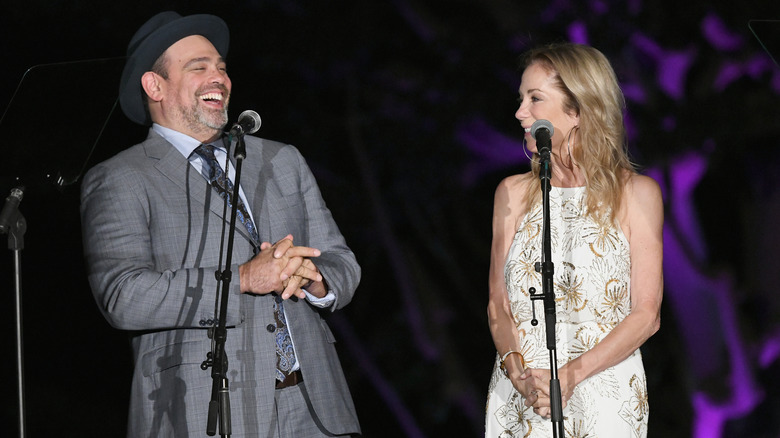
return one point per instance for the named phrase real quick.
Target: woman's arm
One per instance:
(509, 205)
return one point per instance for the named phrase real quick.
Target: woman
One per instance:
(606, 222)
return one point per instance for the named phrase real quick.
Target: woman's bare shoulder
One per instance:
(515, 185)
(642, 188)
(511, 195)
(642, 205)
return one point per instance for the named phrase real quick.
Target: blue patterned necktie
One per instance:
(285, 354)
(216, 176)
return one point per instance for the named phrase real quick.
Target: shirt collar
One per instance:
(182, 142)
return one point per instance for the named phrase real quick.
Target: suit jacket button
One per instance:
(202, 323)
(271, 328)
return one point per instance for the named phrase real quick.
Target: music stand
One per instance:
(50, 130)
(767, 32)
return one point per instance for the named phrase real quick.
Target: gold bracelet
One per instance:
(503, 358)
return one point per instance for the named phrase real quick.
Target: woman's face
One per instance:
(539, 99)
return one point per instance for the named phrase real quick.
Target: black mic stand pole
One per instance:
(219, 406)
(547, 270)
(13, 223)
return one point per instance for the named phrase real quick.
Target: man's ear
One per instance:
(152, 85)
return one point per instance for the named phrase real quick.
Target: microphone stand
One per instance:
(219, 406)
(14, 224)
(547, 269)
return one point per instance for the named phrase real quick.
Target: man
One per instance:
(152, 225)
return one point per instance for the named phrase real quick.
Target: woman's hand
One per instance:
(537, 388)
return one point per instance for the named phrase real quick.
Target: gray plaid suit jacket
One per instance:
(151, 230)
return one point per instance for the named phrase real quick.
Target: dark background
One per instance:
(405, 112)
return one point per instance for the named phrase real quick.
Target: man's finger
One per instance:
(308, 275)
(292, 288)
(293, 265)
(301, 251)
(281, 247)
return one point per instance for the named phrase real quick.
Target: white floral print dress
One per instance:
(592, 293)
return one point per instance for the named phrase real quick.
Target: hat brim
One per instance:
(155, 44)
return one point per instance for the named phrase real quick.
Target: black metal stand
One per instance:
(547, 269)
(42, 168)
(13, 223)
(219, 406)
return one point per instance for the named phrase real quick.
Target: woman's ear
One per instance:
(575, 119)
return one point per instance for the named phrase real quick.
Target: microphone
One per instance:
(10, 209)
(542, 131)
(248, 123)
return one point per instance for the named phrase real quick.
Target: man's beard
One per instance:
(212, 119)
(200, 119)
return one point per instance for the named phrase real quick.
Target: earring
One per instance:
(525, 151)
(568, 143)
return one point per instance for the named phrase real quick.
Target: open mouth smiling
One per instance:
(211, 97)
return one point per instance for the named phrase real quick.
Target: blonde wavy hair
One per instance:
(589, 84)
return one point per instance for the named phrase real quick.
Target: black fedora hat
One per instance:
(154, 38)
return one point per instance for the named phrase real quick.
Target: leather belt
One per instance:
(292, 379)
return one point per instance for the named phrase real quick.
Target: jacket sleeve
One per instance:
(132, 239)
(337, 262)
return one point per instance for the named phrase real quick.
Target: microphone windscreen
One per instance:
(542, 124)
(251, 120)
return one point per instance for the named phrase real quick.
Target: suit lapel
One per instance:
(248, 183)
(250, 176)
(174, 166)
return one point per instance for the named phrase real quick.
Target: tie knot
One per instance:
(212, 169)
(206, 151)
